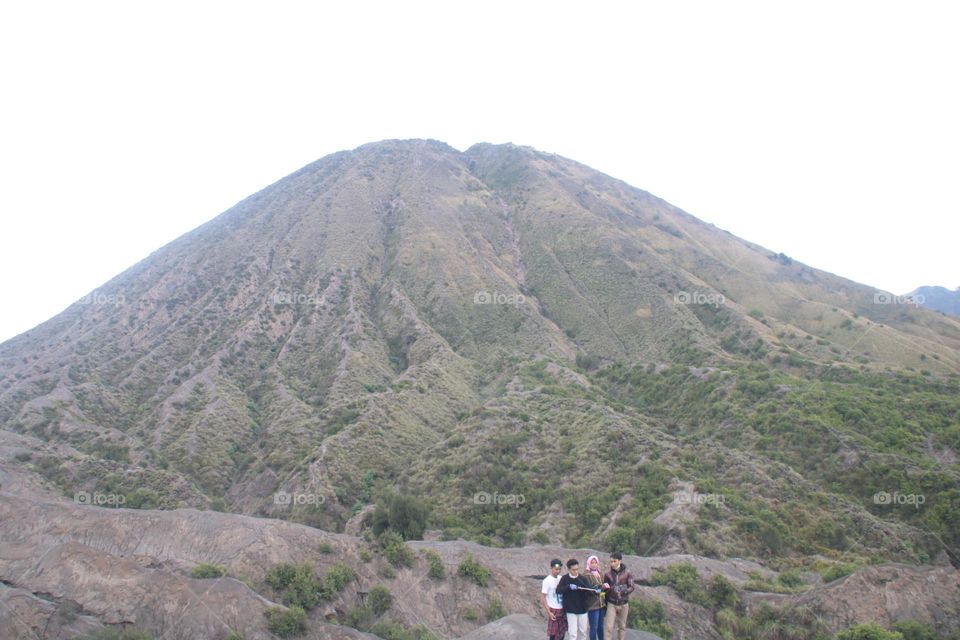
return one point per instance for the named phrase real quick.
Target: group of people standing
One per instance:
(588, 603)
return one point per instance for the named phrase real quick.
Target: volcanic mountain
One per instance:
(532, 351)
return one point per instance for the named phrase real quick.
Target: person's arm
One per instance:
(566, 584)
(629, 586)
(546, 607)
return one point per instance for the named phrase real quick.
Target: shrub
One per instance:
(286, 622)
(868, 632)
(685, 580)
(473, 570)
(395, 550)
(495, 609)
(337, 577)
(913, 630)
(208, 571)
(436, 569)
(722, 593)
(649, 616)
(837, 571)
(470, 613)
(790, 579)
(379, 599)
(403, 514)
(297, 585)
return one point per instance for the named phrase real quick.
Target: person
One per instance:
(618, 585)
(597, 607)
(556, 620)
(575, 594)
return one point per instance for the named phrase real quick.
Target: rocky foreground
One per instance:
(67, 570)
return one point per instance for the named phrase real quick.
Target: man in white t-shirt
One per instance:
(556, 620)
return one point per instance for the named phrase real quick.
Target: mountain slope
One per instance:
(452, 324)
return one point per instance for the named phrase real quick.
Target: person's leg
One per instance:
(572, 626)
(601, 615)
(593, 616)
(584, 626)
(622, 612)
(608, 623)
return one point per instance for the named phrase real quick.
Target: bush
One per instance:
(379, 599)
(837, 571)
(406, 515)
(470, 613)
(297, 585)
(495, 609)
(649, 616)
(208, 571)
(722, 593)
(286, 622)
(790, 579)
(436, 570)
(913, 630)
(473, 570)
(395, 550)
(868, 632)
(685, 580)
(337, 577)
(387, 571)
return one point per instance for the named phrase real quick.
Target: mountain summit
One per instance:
(535, 351)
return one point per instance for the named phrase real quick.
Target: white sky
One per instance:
(825, 130)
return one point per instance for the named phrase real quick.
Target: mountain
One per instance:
(938, 299)
(505, 346)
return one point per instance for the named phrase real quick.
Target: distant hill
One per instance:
(938, 299)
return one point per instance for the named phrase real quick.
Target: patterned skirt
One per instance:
(558, 627)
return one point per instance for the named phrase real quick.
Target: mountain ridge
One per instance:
(406, 319)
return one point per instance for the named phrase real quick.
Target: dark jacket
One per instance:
(575, 600)
(621, 585)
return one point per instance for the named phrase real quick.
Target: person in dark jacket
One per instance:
(618, 585)
(577, 594)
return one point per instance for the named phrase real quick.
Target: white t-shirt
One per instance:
(549, 587)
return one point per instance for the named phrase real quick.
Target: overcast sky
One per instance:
(826, 131)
